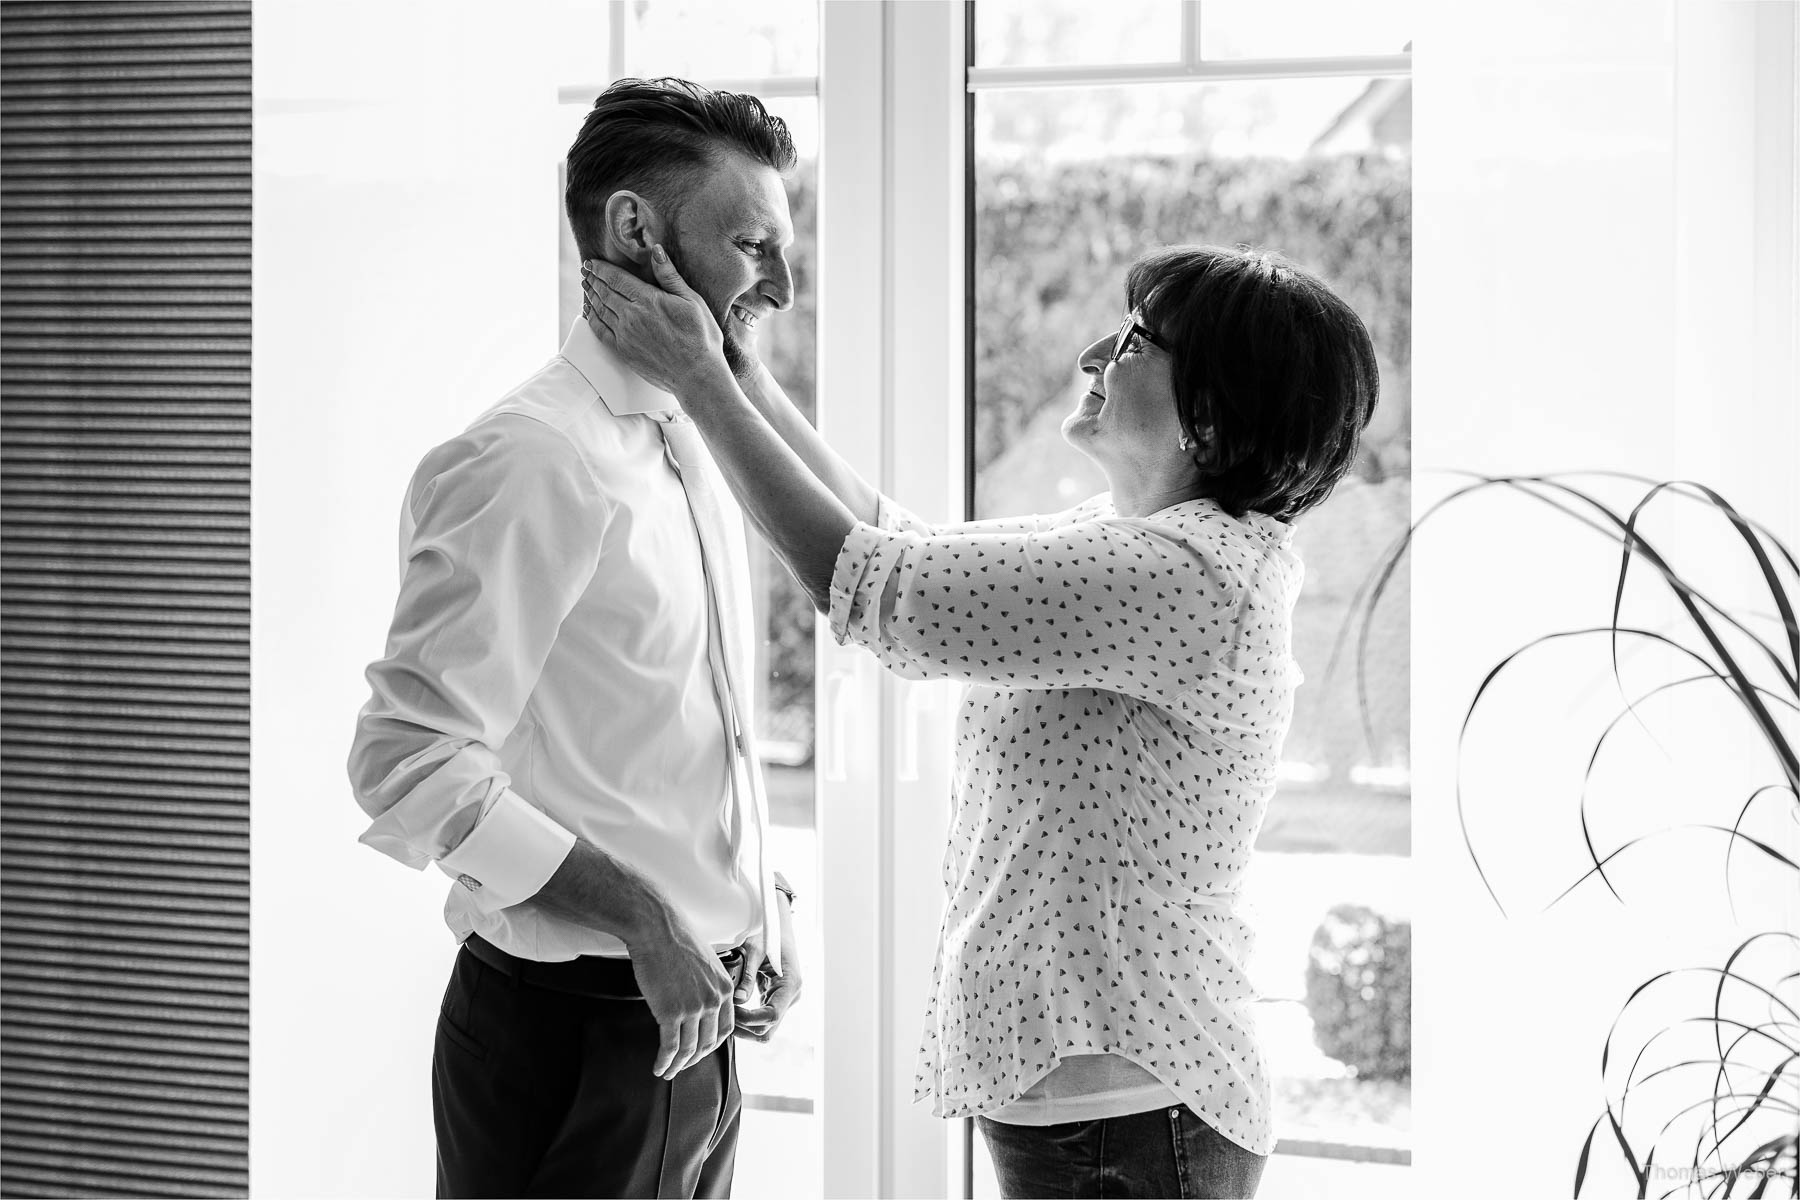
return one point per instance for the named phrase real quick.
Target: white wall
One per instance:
(1604, 278)
(405, 277)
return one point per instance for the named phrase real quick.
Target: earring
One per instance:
(1187, 443)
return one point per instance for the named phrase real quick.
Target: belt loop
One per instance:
(492, 956)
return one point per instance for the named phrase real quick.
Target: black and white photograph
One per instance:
(849, 598)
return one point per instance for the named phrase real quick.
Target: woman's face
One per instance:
(1127, 417)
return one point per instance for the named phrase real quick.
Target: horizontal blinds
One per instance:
(124, 598)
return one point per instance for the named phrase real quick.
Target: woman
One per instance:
(1131, 683)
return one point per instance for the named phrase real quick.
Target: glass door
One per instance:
(1100, 132)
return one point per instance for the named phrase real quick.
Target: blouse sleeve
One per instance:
(1128, 605)
(893, 518)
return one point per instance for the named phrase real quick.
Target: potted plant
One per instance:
(1716, 1116)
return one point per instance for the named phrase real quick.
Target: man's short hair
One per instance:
(1270, 358)
(654, 137)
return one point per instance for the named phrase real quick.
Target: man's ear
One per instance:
(632, 228)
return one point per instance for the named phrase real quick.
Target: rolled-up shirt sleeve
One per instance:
(501, 537)
(1127, 604)
(892, 517)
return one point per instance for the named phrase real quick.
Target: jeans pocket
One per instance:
(1207, 1163)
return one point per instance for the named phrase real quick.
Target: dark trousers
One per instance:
(544, 1093)
(1163, 1152)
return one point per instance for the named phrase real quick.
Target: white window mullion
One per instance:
(1213, 71)
(851, 701)
(1193, 53)
(618, 27)
(1776, 188)
(780, 87)
(926, 132)
(891, 90)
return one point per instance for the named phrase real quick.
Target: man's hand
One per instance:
(688, 990)
(759, 1021)
(689, 994)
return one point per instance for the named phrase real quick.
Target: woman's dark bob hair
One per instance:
(1271, 361)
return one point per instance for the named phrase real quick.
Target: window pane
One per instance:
(723, 39)
(1280, 118)
(1071, 185)
(1074, 183)
(1303, 28)
(1044, 33)
(580, 51)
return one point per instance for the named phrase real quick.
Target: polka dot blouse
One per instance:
(1130, 685)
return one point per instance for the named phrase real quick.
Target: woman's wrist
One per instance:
(761, 389)
(707, 385)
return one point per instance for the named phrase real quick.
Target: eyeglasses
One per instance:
(1130, 330)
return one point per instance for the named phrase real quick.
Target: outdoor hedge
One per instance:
(1053, 242)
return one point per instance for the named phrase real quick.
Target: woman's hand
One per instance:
(663, 331)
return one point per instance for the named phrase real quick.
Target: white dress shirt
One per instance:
(1131, 683)
(546, 673)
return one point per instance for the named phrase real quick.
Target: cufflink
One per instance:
(470, 882)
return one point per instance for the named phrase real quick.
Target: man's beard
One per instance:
(739, 357)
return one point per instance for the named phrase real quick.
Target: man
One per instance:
(561, 717)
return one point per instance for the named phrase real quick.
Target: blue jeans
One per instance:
(1163, 1152)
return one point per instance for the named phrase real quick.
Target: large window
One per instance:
(769, 50)
(1101, 131)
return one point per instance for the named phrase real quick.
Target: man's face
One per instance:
(729, 242)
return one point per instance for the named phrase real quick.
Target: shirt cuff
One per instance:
(855, 579)
(895, 519)
(511, 853)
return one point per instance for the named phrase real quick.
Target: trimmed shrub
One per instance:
(1359, 991)
(1053, 240)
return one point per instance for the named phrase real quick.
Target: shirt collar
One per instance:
(622, 390)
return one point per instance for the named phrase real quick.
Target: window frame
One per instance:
(905, 70)
(1192, 67)
(883, 744)
(886, 332)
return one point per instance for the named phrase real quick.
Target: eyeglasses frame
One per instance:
(1132, 328)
